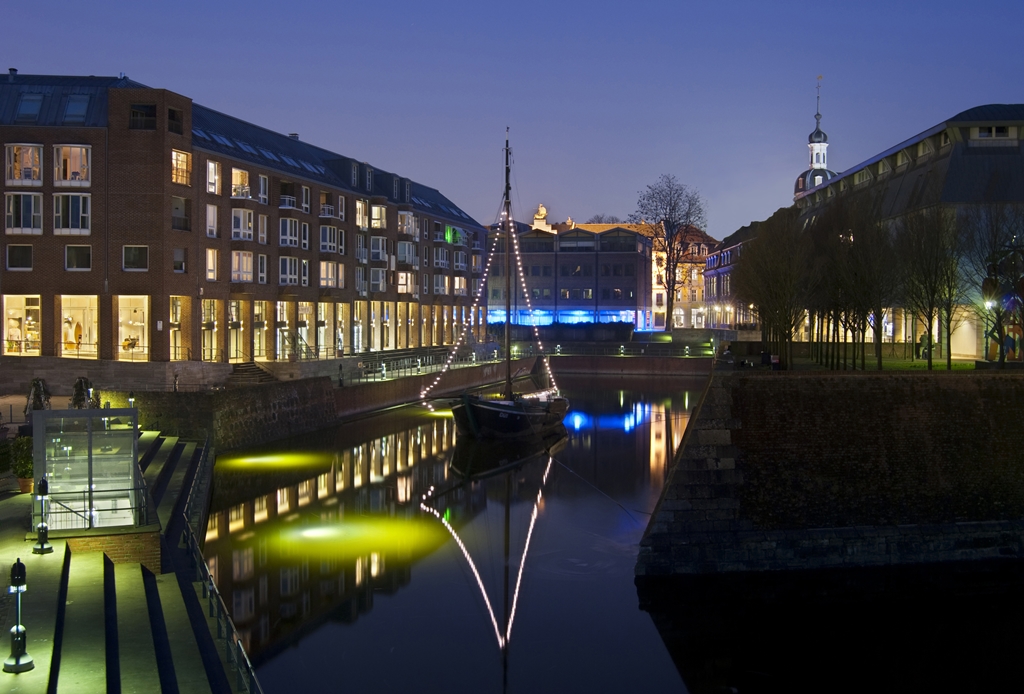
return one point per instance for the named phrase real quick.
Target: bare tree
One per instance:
(923, 239)
(602, 218)
(771, 273)
(665, 212)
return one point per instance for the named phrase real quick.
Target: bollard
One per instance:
(20, 660)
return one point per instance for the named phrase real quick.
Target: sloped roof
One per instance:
(55, 90)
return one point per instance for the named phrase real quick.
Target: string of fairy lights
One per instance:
(503, 639)
(476, 304)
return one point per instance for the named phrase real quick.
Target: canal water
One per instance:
(383, 556)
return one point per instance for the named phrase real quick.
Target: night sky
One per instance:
(601, 97)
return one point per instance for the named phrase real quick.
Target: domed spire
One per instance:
(817, 142)
(818, 135)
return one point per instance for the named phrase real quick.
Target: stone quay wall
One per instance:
(634, 366)
(784, 471)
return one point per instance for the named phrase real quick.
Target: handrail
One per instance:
(195, 512)
(80, 515)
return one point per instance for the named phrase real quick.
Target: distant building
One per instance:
(688, 309)
(141, 226)
(724, 311)
(575, 273)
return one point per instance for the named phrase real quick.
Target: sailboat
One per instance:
(510, 414)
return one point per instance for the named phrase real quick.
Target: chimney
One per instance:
(13, 71)
(121, 76)
(294, 136)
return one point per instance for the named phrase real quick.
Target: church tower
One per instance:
(817, 143)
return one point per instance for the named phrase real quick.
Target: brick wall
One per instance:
(126, 548)
(786, 471)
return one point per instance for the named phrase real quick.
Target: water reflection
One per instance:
(324, 531)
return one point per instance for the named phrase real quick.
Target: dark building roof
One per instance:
(808, 179)
(216, 132)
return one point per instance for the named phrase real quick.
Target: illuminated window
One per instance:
(241, 266)
(321, 485)
(378, 217)
(328, 274)
(362, 214)
(211, 264)
(236, 518)
(181, 167)
(213, 177)
(239, 183)
(71, 165)
(212, 527)
(283, 502)
(260, 512)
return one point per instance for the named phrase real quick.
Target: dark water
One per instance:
(359, 559)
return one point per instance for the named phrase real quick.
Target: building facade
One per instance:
(140, 226)
(574, 273)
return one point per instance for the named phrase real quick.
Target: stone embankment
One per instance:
(783, 471)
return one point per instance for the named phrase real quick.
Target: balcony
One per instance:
(181, 223)
(378, 256)
(240, 191)
(477, 246)
(460, 266)
(327, 211)
(406, 230)
(439, 237)
(441, 264)
(459, 291)
(287, 202)
(361, 255)
(361, 287)
(407, 259)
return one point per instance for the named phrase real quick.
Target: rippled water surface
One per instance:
(363, 559)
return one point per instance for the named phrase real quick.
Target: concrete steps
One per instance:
(248, 373)
(171, 493)
(158, 463)
(125, 630)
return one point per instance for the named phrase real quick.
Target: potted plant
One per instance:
(21, 462)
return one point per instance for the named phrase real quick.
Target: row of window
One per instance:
(23, 165)
(573, 270)
(24, 214)
(582, 293)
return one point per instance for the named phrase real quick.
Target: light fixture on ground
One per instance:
(131, 398)
(42, 545)
(20, 660)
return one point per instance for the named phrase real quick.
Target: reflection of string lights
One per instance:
(502, 640)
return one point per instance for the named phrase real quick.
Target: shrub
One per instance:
(21, 457)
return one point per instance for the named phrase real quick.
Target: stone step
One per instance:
(136, 650)
(158, 470)
(148, 443)
(175, 481)
(189, 671)
(83, 650)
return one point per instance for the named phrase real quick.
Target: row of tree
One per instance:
(849, 266)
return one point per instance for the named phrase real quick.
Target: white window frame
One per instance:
(328, 239)
(341, 241)
(213, 177)
(369, 179)
(426, 283)
(362, 214)
(84, 172)
(406, 253)
(241, 224)
(328, 274)
(124, 265)
(261, 236)
(378, 279)
(442, 284)
(378, 248)
(77, 269)
(304, 272)
(211, 264)
(441, 257)
(378, 217)
(305, 199)
(289, 232)
(288, 270)
(181, 175)
(66, 227)
(341, 207)
(36, 214)
(261, 268)
(211, 221)
(305, 236)
(264, 189)
(355, 174)
(15, 170)
(241, 266)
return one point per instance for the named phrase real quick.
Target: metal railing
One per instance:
(181, 223)
(326, 210)
(287, 202)
(195, 523)
(103, 508)
(239, 190)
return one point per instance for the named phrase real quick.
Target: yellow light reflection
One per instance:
(285, 460)
(364, 536)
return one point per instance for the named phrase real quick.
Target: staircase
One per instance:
(248, 373)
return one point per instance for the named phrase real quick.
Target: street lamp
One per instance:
(131, 398)
(988, 308)
(42, 545)
(20, 660)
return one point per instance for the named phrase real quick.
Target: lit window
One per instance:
(24, 165)
(378, 217)
(135, 258)
(71, 215)
(181, 167)
(241, 266)
(328, 274)
(211, 264)
(71, 165)
(78, 258)
(239, 183)
(362, 214)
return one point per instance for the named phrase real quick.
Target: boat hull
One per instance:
(481, 418)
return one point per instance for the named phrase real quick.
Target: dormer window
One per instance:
(355, 175)
(28, 108)
(369, 178)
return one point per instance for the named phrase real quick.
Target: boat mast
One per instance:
(507, 213)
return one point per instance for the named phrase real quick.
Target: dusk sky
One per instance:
(601, 97)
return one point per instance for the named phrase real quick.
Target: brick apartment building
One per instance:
(140, 226)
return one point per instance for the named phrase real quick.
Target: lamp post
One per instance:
(42, 545)
(131, 398)
(20, 660)
(988, 308)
